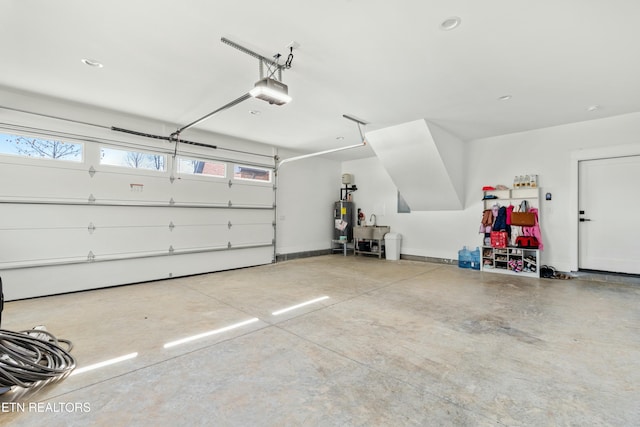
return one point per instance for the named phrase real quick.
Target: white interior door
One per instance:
(609, 201)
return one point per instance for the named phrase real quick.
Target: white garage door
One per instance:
(85, 214)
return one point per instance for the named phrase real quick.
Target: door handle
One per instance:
(584, 219)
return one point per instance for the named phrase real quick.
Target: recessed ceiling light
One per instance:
(505, 98)
(254, 112)
(92, 63)
(450, 23)
(594, 108)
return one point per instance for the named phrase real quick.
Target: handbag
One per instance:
(529, 242)
(498, 239)
(523, 218)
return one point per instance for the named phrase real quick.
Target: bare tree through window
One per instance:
(42, 148)
(146, 161)
(132, 159)
(135, 159)
(157, 162)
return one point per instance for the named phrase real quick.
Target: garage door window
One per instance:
(201, 167)
(251, 173)
(29, 146)
(132, 159)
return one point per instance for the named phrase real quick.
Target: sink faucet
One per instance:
(374, 219)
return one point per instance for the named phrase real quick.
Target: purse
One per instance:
(523, 218)
(498, 239)
(530, 242)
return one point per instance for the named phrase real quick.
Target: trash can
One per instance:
(392, 243)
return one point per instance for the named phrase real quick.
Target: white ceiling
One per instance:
(386, 62)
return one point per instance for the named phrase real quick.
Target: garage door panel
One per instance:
(252, 227)
(71, 231)
(49, 215)
(32, 282)
(203, 236)
(19, 246)
(251, 234)
(75, 241)
(133, 240)
(42, 183)
(202, 191)
(250, 216)
(153, 187)
(43, 215)
(252, 195)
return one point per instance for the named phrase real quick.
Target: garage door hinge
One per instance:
(171, 250)
(171, 226)
(228, 245)
(172, 178)
(91, 228)
(273, 223)
(91, 198)
(230, 204)
(172, 202)
(92, 171)
(230, 183)
(229, 225)
(91, 257)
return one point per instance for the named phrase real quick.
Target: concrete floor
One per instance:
(396, 343)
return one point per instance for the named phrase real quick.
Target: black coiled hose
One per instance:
(33, 357)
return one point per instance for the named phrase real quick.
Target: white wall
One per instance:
(551, 153)
(307, 189)
(436, 234)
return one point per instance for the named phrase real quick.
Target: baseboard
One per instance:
(428, 259)
(605, 276)
(304, 254)
(308, 254)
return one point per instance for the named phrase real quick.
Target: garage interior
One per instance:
(178, 223)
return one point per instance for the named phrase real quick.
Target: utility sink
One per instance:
(379, 231)
(375, 232)
(362, 232)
